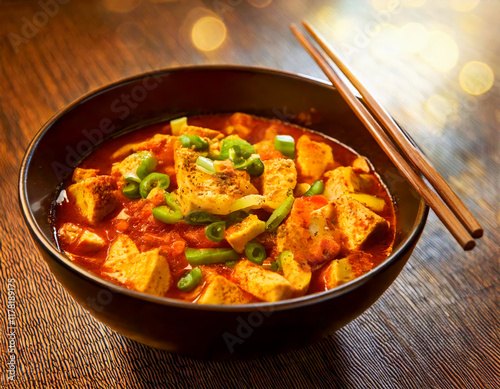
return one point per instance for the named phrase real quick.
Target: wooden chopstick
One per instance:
(448, 218)
(411, 152)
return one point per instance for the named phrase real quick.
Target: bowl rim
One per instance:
(50, 246)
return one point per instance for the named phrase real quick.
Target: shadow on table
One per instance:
(322, 364)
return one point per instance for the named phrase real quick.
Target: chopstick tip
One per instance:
(469, 245)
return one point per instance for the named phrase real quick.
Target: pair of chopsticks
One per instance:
(449, 208)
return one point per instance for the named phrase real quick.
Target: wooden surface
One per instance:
(438, 324)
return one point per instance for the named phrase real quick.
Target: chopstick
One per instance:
(412, 153)
(447, 217)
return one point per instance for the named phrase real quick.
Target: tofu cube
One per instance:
(340, 181)
(239, 124)
(313, 158)
(239, 234)
(222, 291)
(297, 273)
(150, 273)
(94, 197)
(90, 242)
(357, 222)
(278, 181)
(263, 284)
(146, 272)
(337, 272)
(361, 164)
(200, 131)
(80, 174)
(200, 191)
(69, 233)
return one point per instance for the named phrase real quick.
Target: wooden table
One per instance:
(434, 64)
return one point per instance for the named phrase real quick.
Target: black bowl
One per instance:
(185, 327)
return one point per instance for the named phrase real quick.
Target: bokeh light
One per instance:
(476, 78)
(208, 33)
(385, 5)
(441, 51)
(260, 3)
(413, 3)
(438, 109)
(464, 5)
(121, 6)
(387, 43)
(415, 37)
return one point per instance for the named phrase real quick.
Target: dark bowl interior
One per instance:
(184, 327)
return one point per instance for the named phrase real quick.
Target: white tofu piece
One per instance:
(278, 181)
(297, 273)
(146, 272)
(313, 158)
(239, 124)
(150, 273)
(80, 174)
(200, 131)
(199, 191)
(94, 197)
(337, 272)
(90, 242)
(81, 239)
(263, 284)
(312, 238)
(69, 233)
(340, 181)
(361, 164)
(222, 291)
(239, 234)
(357, 222)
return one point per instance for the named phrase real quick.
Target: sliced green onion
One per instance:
(177, 124)
(235, 217)
(245, 148)
(251, 201)
(153, 180)
(170, 213)
(282, 255)
(147, 166)
(274, 266)
(235, 154)
(205, 165)
(190, 280)
(316, 189)
(198, 257)
(252, 165)
(279, 214)
(167, 215)
(285, 144)
(194, 142)
(131, 190)
(255, 252)
(215, 231)
(231, 263)
(201, 217)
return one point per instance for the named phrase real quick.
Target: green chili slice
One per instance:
(252, 166)
(279, 214)
(316, 189)
(131, 190)
(205, 165)
(147, 166)
(190, 280)
(194, 142)
(244, 149)
(153, 180)
(201, 217)
(285, 144)
(215, 231)
(255, 252)
(198, 257)
(235, 217)
(170, 213)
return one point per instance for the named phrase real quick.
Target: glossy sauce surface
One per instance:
(172, 239)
